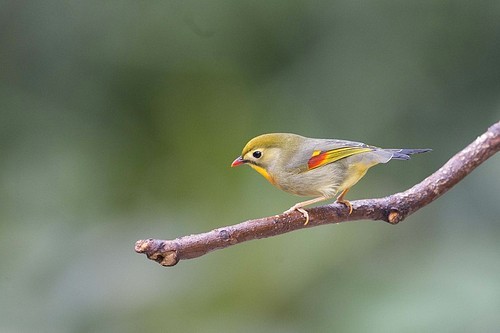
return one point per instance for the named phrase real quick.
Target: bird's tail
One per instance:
(404, 154)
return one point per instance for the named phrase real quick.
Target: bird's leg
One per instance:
(299, 207)
(340, 199)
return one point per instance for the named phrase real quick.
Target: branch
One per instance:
(393, 209)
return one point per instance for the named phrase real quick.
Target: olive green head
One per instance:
(267, 151)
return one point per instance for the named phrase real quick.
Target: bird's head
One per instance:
(265, 152)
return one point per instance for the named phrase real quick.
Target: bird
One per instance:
(318, 168)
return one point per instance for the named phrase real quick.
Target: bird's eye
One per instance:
(257, 154)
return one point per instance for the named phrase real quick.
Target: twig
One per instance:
(392, 209)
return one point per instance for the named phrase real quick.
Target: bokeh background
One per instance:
(119, 120)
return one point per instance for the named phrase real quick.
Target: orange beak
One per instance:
(238, 161)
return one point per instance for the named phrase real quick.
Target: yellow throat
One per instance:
(263, 172)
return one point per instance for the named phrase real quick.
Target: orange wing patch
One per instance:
(317, 159)
(320, 158)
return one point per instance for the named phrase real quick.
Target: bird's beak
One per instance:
(238, 161)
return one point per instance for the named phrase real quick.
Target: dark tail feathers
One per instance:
(404, 154)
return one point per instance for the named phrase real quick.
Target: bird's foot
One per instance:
(346, 203)
(301, 210)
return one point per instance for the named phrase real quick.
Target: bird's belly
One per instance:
(323, 181)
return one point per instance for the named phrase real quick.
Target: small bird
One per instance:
(318, 168)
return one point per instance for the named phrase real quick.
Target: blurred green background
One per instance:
(119, 120)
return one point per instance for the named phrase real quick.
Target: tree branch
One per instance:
(393, 209)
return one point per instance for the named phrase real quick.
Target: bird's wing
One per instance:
(321, 152)
(323, 157)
